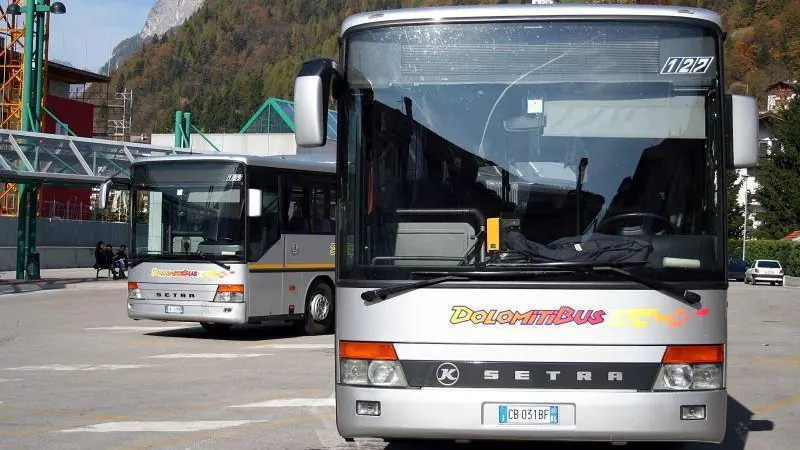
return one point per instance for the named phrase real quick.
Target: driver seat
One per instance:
(660, 185)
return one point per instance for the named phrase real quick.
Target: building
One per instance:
(62, 115)
(780, 93)
(76, 114)
(270, 131)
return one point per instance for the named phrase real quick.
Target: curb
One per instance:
(23, 286)
(791, 281)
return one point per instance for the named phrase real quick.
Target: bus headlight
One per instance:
(677, 377)
(691, 368)
(229, 293)
(370, 364)
(372, 373)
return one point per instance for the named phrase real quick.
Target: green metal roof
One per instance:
(276, 115)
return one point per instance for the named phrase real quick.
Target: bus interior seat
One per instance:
(210, 228)
(298, 224)
(662, 183)
(321, 225)
(551, 215)
(431, 239)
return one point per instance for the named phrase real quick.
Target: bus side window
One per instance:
(264, 231)
(331, 199)
(320, 223)
(298, 210)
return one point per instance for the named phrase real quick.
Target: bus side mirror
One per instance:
(105, 187)
(743, 129)
(254, 203)
(311, 93)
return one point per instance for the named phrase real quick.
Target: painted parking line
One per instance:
(140, 329)
(160, 427)
(294, 346)
(777, 404)
(791, 360)
(291, 402)
(187, 439)
(208, 355)
(78, 367)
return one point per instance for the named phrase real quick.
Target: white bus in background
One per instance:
(228, 239)
(532, 231)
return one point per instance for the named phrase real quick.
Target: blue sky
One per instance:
(90, 29)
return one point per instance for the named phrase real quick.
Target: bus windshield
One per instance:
(592, 141)
(189, 208)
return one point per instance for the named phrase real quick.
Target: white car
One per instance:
(764, 270)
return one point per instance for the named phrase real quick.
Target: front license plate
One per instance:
(173, 309)
(527, 415)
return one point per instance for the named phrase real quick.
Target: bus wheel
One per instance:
(319, 316)
(216, 328)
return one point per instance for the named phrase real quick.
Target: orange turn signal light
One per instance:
(367, 350)
(694, 354)
(238, 288)
(133, 285)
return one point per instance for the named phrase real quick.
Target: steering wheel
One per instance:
(672, 229)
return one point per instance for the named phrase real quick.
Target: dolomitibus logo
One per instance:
(162, 273)
(562, 316)
(177, 273)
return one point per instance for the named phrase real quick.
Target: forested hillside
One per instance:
(230, 56)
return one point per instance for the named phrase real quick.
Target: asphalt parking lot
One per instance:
(76, 373)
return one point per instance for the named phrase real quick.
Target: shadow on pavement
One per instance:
(242, 333)
(8, 287)
(740, 424)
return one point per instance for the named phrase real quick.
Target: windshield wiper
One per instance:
(383, 293)
(442, 276)
(217, 262)
(689, 297)
(150, 257)
(136, 262)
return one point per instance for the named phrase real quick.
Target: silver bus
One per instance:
(532, 225)
(228, 239)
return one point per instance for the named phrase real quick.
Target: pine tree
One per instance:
(778, 177)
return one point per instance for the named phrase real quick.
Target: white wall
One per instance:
(246, 143)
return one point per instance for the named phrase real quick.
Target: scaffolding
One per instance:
(122, 127)
(12, 34)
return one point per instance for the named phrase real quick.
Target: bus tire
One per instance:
(320, 309)
(216, 328)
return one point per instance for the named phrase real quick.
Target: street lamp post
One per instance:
(33, 76)
(744, 230)
(32, 95)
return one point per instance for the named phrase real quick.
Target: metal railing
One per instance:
(70, 158)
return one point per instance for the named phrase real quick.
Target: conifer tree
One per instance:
(779, 178)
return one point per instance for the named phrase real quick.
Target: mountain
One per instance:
(167, 14)
(230, 56)
(164, 17)
(124, 50)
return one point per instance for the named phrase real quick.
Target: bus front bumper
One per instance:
(215, 312)
(472, 414)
